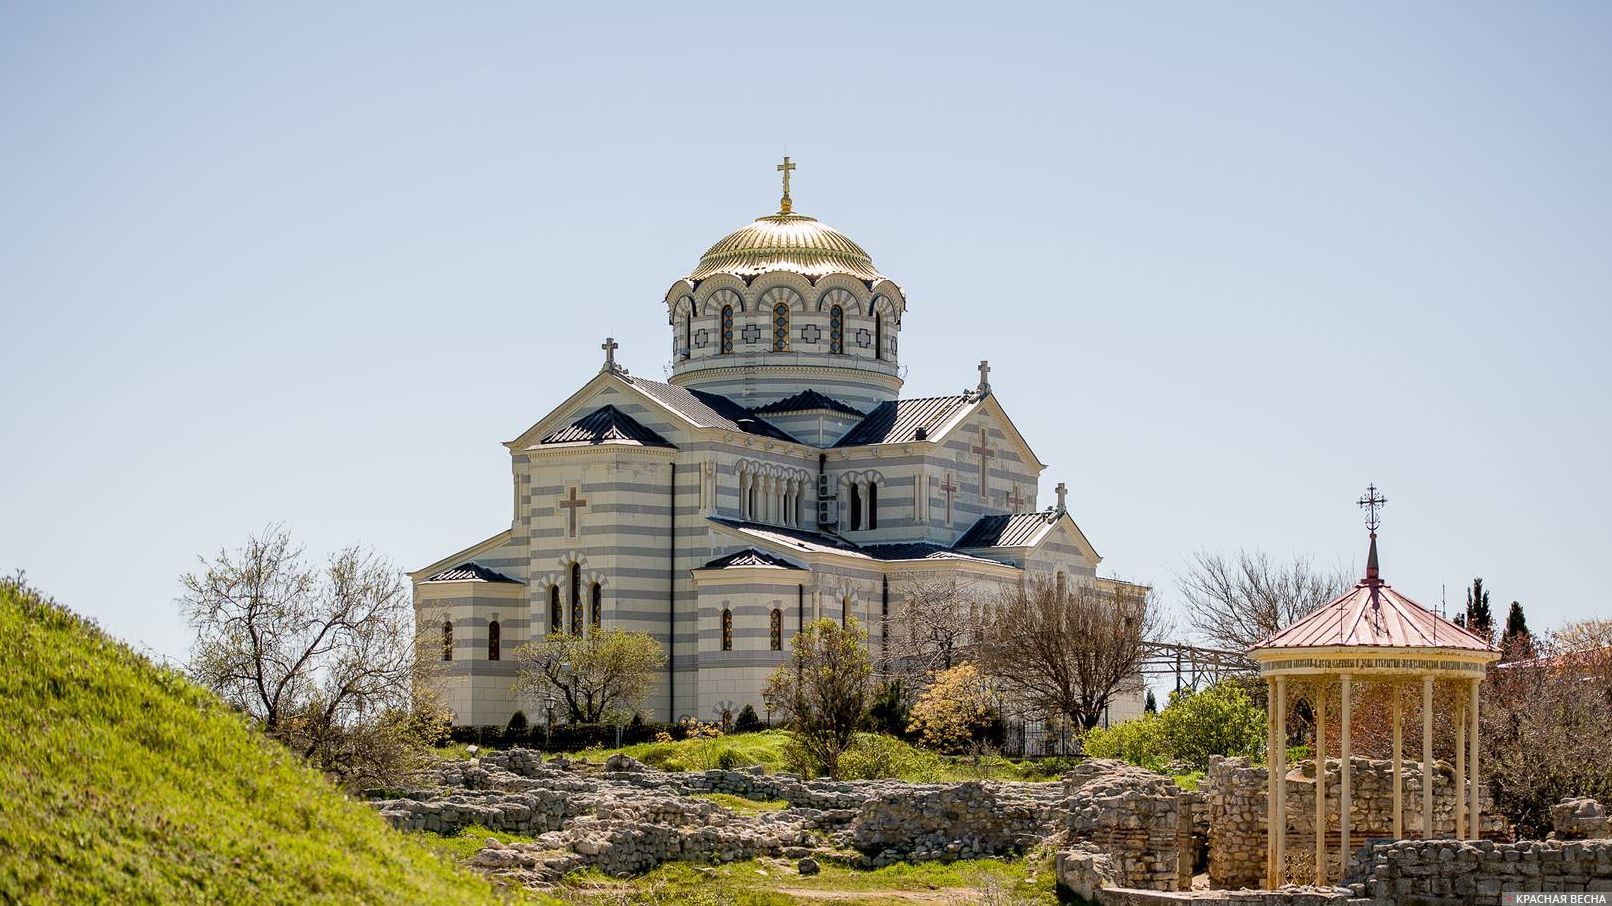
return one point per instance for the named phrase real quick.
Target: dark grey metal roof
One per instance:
(1014, 530)
(915, 550)
(708, 410)
(821, 542)
(806, 401)
(606, 425)
(750, 557)
(901, 421)
(471, 571)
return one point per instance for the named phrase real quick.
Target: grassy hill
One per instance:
(123, 782)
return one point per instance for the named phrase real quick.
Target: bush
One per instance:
(891, 709)
(749, 721)
(516, 731)
(955, 711)
(1221, 720)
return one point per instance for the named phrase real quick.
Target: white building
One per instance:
(777, 478)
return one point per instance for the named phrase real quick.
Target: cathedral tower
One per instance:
(783, 305)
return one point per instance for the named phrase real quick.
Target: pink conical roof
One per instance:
(1374, 614)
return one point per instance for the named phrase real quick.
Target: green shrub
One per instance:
(1220, 720)
(517, 730)
(749, 721)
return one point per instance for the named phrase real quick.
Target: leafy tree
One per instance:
(323, 657)
(749, 721)
(1220, 720)
(600, 673)
(823, 690)
(1516, 643)
(891, 708)
(954, 711)
(1238, 601)
(515, 731)
(1478, 618)
(1068, 651)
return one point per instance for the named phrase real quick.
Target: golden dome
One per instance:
(786, 242)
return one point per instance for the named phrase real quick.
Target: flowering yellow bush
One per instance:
(955, 707)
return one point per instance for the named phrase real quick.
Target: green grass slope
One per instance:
(123, 782)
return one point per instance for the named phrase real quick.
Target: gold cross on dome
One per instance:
(784, 205)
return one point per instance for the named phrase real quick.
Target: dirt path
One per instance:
(956, 895)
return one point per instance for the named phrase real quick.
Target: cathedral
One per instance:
(777, 477)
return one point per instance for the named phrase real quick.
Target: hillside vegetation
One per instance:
(123, 782)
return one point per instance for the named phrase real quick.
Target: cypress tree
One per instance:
(1516, 643)
(1479, 618)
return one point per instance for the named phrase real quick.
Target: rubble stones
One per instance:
(1580, 819)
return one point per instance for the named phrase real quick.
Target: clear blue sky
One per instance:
(1230, 262)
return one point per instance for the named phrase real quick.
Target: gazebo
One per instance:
(1370, 633)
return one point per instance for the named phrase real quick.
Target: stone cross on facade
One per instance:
(609, 346)
(1062, 490)
(784, 205)
(984, 452)
(572, 504)
(950, 487)
(985, 378)
(1014, 499)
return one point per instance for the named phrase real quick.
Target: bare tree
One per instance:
(600, 674)
(1237, 601)
(934, 627)
(322, 656)
(1069, 651)
(823, 690)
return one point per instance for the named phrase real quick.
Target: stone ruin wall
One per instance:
(1235, 792)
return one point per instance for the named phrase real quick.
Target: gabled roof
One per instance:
(1374, 614)
(605, 425)
(821, 543)
(470, 571)
(707, 410)
(900, 421)
(806, 401)
(750, 557)
(1009, 530)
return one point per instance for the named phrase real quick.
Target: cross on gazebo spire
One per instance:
(1371, 502)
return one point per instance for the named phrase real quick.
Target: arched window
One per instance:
(856, 506)
(780, 327)
(494, 640)
(576, 599)
(688, 332)
(727, 329)
(596, 609)
(836, 330)
(556, 612)
(727, 629)
(873, 505)
(775, 629)
(878, 334)
(447, 640)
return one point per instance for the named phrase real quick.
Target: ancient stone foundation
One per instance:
(1235, 792)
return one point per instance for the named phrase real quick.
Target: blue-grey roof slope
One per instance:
(1010, 530)
(606, 425)
(470, 571)
(902, 421)
(807, 401)
(708, 410)
(750, 557)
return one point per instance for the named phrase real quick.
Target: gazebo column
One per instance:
(1460, 771)
(1281, 780)
(1321, 784)
(1270, 783)
(1427, 757)
(1472, 740)
(1343, 772)
(1399, 803)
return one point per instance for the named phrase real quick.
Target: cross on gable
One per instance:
(950, 487)
(1015, 500)
(572, 504)
(984, 452)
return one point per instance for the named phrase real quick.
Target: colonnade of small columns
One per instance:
(1467, 807)
(773, 499)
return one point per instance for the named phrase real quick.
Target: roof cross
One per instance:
(784, 205)
(609, 346)
(1371, 502)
